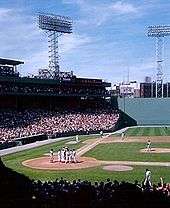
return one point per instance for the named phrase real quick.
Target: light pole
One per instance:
(55, 26)
(159, 31)
(124, 101)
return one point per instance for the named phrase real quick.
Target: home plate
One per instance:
(117, 168)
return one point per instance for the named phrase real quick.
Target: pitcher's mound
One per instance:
(43, 163)
(156, 150)
(117, 168)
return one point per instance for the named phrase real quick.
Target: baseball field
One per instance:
(99, 158)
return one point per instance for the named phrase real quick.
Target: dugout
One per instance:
(23, 141)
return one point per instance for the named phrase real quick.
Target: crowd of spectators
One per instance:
(14, 124)
(79, 193)
(55, 90)
(19, 191)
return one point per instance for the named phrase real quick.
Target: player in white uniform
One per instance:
(147, 180)
(74, 156)
(77, 138)
(67, 153)
(62, 155)
(51, 156)
(148, 145)
(122, 135)
(59, 155)
(70, 156)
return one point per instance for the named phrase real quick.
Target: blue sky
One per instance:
(109, 37)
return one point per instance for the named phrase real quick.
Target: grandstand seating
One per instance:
(16, 124)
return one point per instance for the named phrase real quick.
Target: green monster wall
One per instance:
(147, 111)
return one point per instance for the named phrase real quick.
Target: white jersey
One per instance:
(70, 156)
(59, 155)
(147, 178)
(51, 153)
(67, 153)
(74, 155)
(77, 138)
(62, 156)
(51, 156)
(148, 175)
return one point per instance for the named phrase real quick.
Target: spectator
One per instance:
(15, 124)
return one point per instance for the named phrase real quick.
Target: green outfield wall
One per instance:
(147, 111)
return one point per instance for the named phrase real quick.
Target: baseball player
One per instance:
(74, 156)
(147, 180)
(59, 155)
(62, 155)
(77, 138)
(71, 156)
(122, 135)
(51, 156)
(149, 145)
(67, 154)
(101, 133)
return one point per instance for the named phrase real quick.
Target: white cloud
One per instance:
(79, 2)
(87, 54)
(98, 13)
(123, 8)
(138, 71)
(35, 61)
(5, 12)
(74, 41)
(20, 38)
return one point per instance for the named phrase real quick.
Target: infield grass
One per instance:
(113, 151)
(92, 174)
(128, 152)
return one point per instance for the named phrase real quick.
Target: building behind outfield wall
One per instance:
(127, 89)
(148, 90)
(134, 89)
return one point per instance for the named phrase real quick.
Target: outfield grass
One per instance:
(128, 152)
(148, 131)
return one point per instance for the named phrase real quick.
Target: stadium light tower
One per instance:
(159, 32)
(55, 26)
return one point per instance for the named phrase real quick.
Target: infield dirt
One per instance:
(87, 162)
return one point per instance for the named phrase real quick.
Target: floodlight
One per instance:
(54, 25)
(159, 31)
